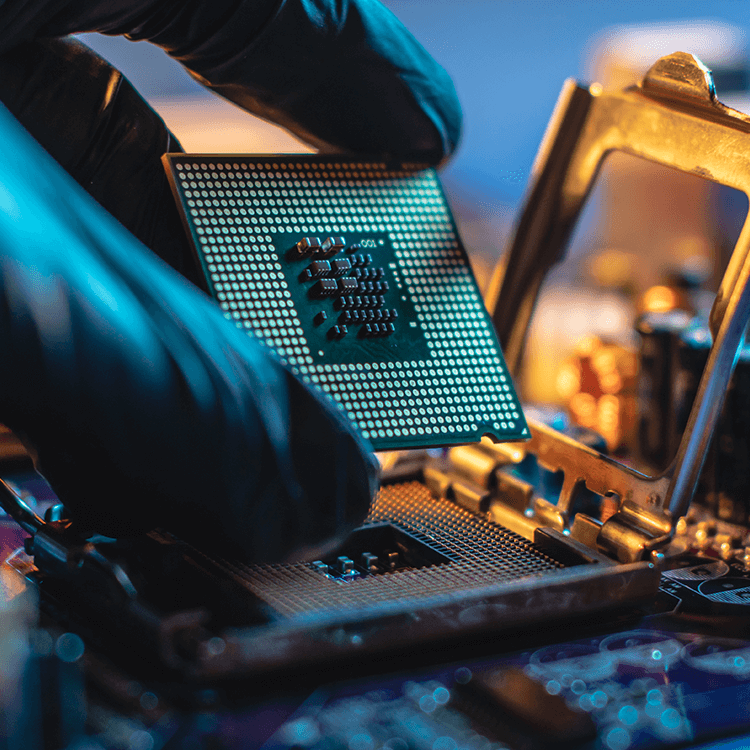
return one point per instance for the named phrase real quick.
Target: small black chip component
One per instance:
(347, 285)
(323, 288)
(338, 332)
(340, 266)
(332, 246)
(308, 246)
(320, 318)
(379, 549)
(344, 565)
(377, 329)
(319, 268)
(370, 274)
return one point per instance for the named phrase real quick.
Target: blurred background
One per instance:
(650, 241)
(508, 59)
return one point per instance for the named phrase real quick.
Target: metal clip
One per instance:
(672, 118)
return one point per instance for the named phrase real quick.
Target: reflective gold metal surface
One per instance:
(674, 119)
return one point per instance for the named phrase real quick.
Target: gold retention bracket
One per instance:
(672, 117)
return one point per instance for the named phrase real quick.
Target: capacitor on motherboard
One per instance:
(658, 371)
(728, 487)
(675, 349)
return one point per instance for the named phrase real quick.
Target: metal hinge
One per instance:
(478, 477)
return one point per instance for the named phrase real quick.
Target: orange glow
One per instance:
(587, 345)
(208, 124)
(568, 380)
(599, 385)
(659, 299)
(583, 408)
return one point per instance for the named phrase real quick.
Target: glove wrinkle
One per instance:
(355, 78)
(95, 125)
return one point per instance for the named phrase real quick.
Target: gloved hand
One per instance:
(100, 130)
(344, 75)
(146, 406)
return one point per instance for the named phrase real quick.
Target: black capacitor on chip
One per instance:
(347, 285)
(344, 564)
(337, 332)
(340, 266)
(324, 288)
(308, 246)
(319, 268)
(332, 246)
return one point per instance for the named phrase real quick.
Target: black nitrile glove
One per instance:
(147, 408)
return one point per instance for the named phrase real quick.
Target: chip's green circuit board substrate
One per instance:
(353, 272)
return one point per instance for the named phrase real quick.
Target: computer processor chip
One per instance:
(353, 272)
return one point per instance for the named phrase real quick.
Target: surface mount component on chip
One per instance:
(354, 274)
